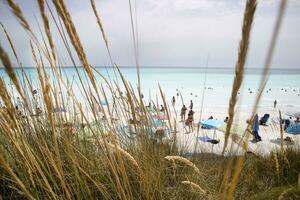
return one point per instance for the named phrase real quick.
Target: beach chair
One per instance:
(264, 119)
(287, 123)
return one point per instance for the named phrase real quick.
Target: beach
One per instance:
(147, 100)
(269, 134)
(210, 92)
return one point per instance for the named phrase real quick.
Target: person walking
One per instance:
(275, 103)
(189, 121)
(182, 113)
(173, 101)
(255, 128)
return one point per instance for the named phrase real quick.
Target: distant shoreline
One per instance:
(201, 70)
(176, 67)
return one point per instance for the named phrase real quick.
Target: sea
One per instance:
(206, 87)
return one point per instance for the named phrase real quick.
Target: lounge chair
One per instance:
(264, 119)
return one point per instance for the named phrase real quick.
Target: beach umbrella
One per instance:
(59, 109)
(155, 121)
(212, 123)
(295, 114)
(161, 116)
(150, 109)
(293, 128)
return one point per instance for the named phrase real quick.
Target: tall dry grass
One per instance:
(264, 78)
(85, 153)
(240, 64)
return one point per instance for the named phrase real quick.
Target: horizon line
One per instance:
(170, 66)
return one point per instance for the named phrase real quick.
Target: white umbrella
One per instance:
(295, 114)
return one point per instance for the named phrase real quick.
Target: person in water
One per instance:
(275, 103)
(183, 112)
(191, 105)
(173, 101)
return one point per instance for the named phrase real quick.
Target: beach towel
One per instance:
(208, 139)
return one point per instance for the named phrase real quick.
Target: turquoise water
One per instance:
(283, 85)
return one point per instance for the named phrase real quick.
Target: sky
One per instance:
(182, 33)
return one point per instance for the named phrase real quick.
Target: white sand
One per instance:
(268, 133)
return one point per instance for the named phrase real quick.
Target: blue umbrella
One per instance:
(155, 122)
(212, 123)
(293, 128)
(59, 109)
(150, 109)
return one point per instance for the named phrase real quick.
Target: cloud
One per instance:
(170, 32)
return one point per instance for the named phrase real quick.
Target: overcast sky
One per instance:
(170, 32)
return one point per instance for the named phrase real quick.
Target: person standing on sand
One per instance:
(191, 105)
(189, 121)
(255, 128)
(182, 113)
(173, 101)
(275, 103)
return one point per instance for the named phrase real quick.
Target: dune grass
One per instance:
(85, 153)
